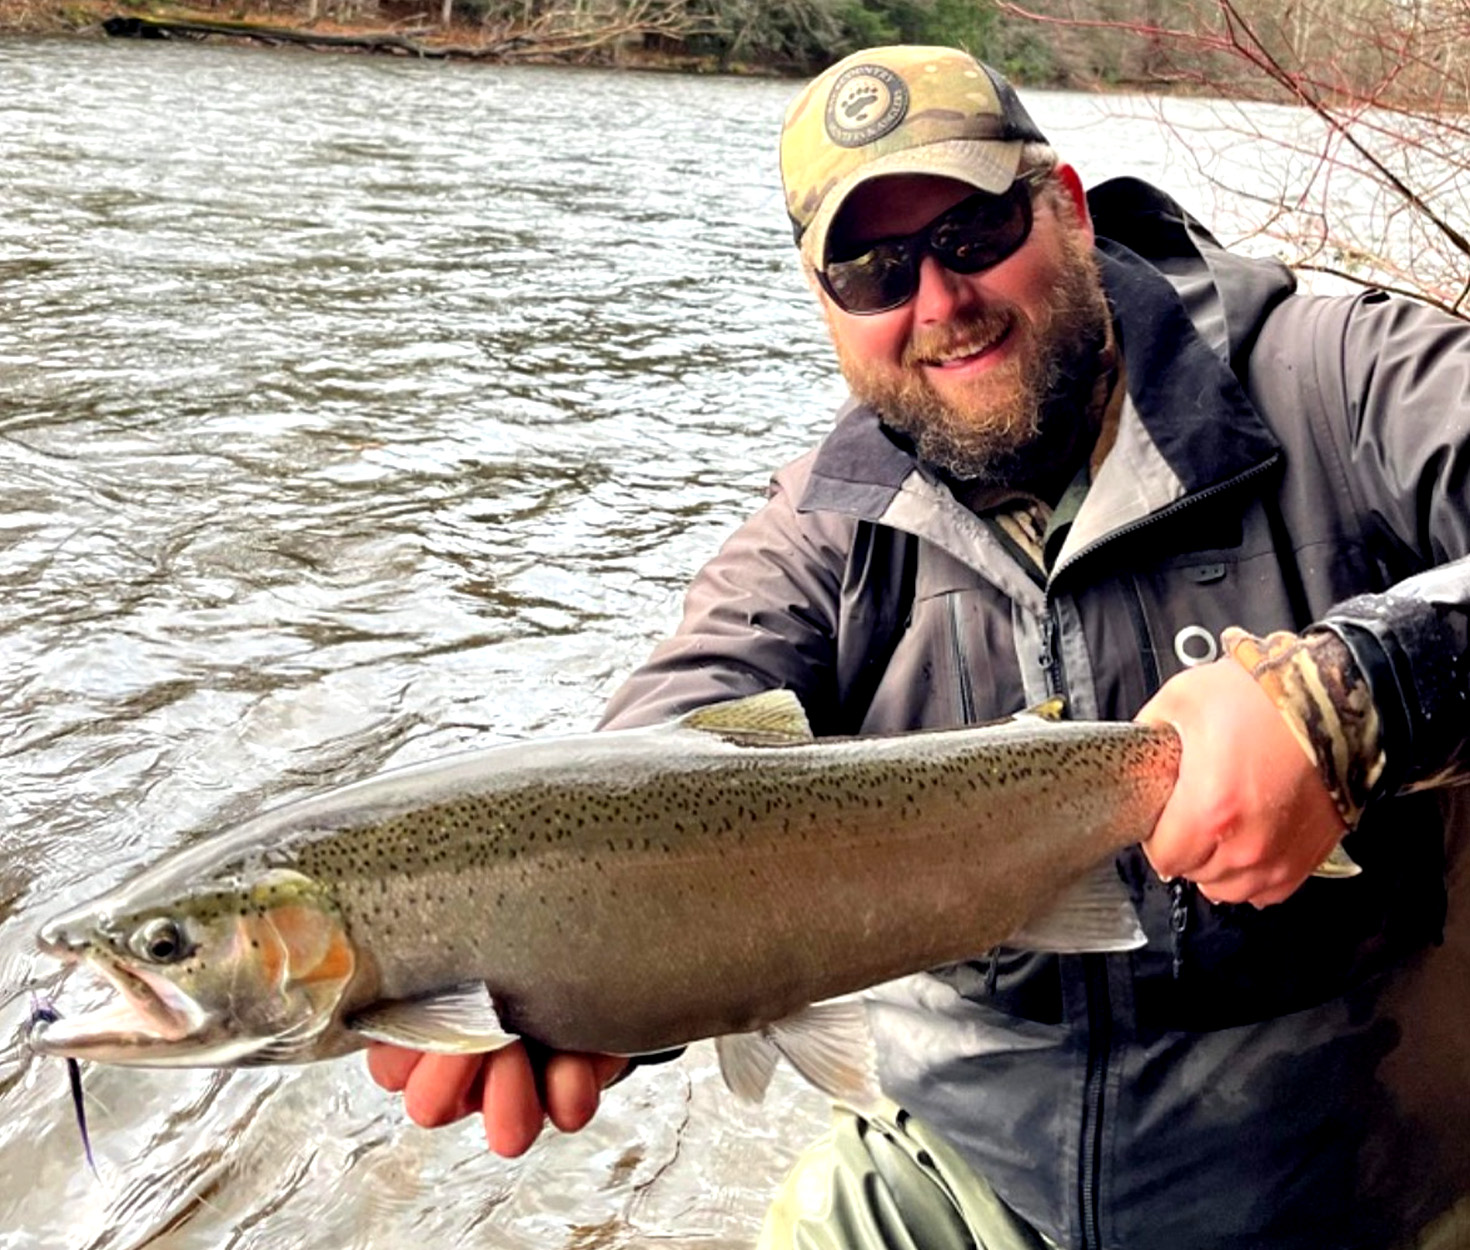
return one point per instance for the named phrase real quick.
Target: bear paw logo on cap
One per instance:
(866, 102)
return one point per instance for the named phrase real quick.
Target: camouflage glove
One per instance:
(1317, 686)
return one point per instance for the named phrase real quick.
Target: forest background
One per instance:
(1377, 188)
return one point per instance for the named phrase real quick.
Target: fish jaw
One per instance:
(260, 980)
(148, 1022)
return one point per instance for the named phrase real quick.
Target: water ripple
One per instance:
(355, 412)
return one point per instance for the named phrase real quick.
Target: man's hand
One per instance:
(515, 1098)
(1249, 818)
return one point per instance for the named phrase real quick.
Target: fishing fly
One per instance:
(42, 1012)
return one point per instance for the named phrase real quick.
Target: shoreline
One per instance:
(413, 36)
(104, 19)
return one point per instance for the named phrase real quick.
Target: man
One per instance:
(1090, 453)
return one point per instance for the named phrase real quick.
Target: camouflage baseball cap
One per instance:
(896, 110)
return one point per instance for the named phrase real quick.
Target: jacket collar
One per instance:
(1186, 426)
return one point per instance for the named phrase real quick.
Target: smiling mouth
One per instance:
(965, 353)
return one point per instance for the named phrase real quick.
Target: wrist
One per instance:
(1327, 704)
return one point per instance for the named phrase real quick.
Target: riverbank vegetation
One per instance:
(1384, 84)
(1410, 48)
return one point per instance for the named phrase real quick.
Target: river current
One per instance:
(352, 412)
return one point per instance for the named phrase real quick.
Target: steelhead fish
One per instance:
(722, 875)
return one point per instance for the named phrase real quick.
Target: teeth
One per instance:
(962, 352)
(969, 349)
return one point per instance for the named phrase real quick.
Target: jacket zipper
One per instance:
(961, 664)
(1146, 653)
(1172, 510)
(1051, 660)
(1094, 967)
(1099, 1031)
(1099, 1052)
(1098, 1004)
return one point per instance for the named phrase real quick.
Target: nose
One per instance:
(59, 936)
(53, 937)
(941, 293)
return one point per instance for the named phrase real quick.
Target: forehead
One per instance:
(898, 204)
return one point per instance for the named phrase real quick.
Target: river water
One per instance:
(353, 412)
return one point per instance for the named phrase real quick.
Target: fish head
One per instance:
(221, 975)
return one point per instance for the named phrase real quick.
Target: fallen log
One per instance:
(133, 26)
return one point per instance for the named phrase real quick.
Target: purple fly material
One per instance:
(42, 1012)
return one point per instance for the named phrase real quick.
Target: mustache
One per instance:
(965, 331)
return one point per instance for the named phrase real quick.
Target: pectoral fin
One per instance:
(828, 1043)
(1094, 914)
(458, 1021)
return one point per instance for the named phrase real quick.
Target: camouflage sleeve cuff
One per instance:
(1317, 685)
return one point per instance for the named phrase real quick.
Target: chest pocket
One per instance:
(1186, 601)
(1194, 644)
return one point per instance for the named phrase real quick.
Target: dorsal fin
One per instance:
(773, 718)
(1053, 709)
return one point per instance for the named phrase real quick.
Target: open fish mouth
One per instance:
(142, 1013)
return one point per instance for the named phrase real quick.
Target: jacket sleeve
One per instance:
(1404, 446)
(761, 615)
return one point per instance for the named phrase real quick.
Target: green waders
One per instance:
(887, 1182)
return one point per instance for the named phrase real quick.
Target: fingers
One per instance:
(390, 1066)
(437, 1089)
(1204, 815)
(571, 1086)
(1173, 855)
(1235, 875)
(511, 1104)
(574, 1085)
(504, 1086)
(1249, 818)
(442, 1089)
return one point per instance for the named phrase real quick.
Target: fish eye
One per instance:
(159, 941)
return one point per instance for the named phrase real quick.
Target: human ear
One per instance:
(1073, 194)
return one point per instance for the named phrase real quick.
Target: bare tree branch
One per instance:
(1380, 195)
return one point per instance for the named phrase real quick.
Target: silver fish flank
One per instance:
(723, 875)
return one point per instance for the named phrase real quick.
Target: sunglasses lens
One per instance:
(881, 278)
(991, 228)
(975, 234)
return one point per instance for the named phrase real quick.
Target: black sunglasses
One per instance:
(975, 234)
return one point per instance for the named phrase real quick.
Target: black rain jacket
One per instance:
(1292, 1077)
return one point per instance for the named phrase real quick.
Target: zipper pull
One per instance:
(1179, 892)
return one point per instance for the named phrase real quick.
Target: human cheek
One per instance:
(879, 339)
